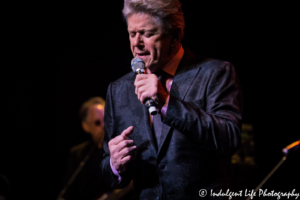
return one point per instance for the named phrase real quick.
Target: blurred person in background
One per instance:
(83, 178)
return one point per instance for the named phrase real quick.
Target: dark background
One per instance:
(57, 56)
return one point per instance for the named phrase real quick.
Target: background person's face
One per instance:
(148, 41)
(95, 122)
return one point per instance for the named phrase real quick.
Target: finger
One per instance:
(139, 82)
(140, 77)
(148, 95)
(141, 90)
(116, 140)
(124, 144)
(150, 82)
(127, 151)
(129, 156)
(126, 160)
(128, 131)
(143, 97)
(116, 149)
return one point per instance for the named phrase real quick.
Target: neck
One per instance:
(98, 141)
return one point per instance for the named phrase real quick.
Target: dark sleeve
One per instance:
(110, 133)
(216, 123)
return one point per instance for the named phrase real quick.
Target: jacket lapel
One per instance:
(183, 79)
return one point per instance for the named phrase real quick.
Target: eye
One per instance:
(132, 34)
(97, 123)
(149, 34)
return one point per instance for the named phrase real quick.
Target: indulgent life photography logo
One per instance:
(250, 193)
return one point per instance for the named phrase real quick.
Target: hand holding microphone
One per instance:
(148, 87)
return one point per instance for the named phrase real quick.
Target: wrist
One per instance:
(113, 169)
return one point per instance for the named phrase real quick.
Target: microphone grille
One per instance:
(137, 63)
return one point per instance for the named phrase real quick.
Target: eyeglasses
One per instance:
(97, 122)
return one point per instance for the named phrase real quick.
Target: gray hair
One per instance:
(167, 13)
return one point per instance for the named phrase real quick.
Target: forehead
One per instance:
(141, 21)
(95, 111)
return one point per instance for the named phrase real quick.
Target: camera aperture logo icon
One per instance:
(202, 192)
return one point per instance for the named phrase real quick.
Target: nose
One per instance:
(138, 40)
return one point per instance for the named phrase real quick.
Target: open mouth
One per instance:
(142, 54)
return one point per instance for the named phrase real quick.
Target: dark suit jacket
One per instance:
(200, 133)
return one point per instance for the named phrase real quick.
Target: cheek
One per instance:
(150, 45)
(156, 51)
(159, 50)
(131, 48)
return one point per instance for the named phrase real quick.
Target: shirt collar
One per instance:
(172, 65)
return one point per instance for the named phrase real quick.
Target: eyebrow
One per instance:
(143, 30)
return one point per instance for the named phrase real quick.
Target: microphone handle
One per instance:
(151, 105)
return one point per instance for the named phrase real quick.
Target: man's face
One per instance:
(148, 41)
(95, 122)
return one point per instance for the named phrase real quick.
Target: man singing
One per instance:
(188, 144)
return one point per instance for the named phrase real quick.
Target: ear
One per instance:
(85, 126)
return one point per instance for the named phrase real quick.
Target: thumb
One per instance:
(148, 71)
(128, 131)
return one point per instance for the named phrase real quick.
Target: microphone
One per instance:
(292, 147)
(138, 66)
